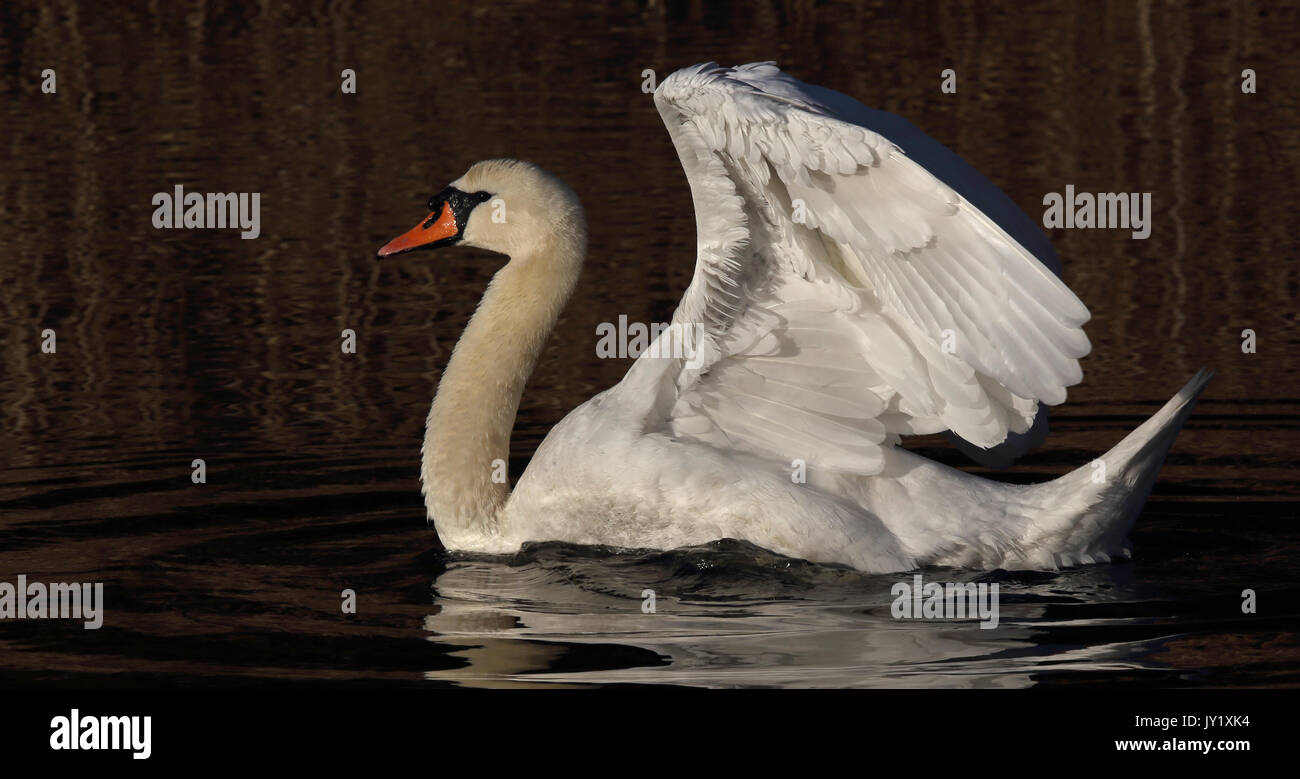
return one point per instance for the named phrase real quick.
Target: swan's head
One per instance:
(505, 206)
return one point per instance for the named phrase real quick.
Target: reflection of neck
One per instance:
(467, 437)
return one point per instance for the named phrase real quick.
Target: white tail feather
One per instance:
(1090, 514)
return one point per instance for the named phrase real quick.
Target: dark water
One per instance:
(175, 345)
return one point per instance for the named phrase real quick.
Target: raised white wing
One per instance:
(843, 294)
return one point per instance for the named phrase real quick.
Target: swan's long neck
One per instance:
(467, 436)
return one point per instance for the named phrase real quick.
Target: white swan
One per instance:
(843, 297)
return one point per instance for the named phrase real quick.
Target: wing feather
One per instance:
(845, 295)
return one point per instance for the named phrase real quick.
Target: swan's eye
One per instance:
(482, 196)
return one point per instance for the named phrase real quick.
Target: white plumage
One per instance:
(848, 290)
(843, 296)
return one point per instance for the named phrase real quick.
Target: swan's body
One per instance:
(843, 297)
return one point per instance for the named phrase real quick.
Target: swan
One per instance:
(843, 297)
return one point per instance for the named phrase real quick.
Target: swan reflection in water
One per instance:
(731, 615)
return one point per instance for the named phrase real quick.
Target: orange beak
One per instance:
(436, 228)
